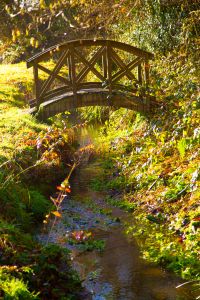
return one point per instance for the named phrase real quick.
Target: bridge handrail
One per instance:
(87, 42)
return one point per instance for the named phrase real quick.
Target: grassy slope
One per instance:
(21, 203)
(15, 122)
(156, 162)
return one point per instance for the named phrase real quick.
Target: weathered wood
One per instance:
(140, 74)
(36, 84)
(62, 79)
(71, 55)
(88, 98)
(104, 63)
(72, 71)
(55, 71)
(146, 68)
(109, 67)
(129, 67)
(121, 65)
(45, 55)
(91, 62)
(90, 66)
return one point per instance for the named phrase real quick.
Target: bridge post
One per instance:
(37, 84)
(146, 73)
(72, 71)
(140, 74)
(104, 63)
(109, 67)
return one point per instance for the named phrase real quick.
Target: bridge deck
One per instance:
(91, 97)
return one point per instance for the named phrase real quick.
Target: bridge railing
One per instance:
(111, 63)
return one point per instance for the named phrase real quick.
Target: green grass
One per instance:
(16, 84)
(22, 202)
(14, 288)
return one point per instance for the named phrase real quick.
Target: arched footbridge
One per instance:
(88, 73)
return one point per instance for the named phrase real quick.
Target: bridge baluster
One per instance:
(109, 67)
(104, 64)
(140, 74)
(37, 84)
(146, 71)
(72, 71)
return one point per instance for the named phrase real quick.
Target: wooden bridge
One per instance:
(90, 72)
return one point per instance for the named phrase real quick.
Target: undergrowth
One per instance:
(152, 164)
(33, 158)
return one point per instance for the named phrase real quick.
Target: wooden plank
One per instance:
(55, 71)
(90, 66)
(89, 85)
(130, 66)
(64, 80)
(115, 57)
(56, 92)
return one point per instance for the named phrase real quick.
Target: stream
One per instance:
(115, 269)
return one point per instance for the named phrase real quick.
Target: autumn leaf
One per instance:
(68, 190)
(60, 188)
(56, 213)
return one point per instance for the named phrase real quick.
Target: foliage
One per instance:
(13, 288)
(155, 161)
(156, 25)
(123, 203)
(96, 114)
(85, 241)
(42, 268)
(30, 25)
(26, 268)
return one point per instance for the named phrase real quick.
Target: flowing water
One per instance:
(117, 272)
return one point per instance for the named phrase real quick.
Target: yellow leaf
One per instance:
(56, 213)
(18, 32)
(32, 41)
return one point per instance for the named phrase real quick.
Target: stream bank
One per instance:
(110, 268)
